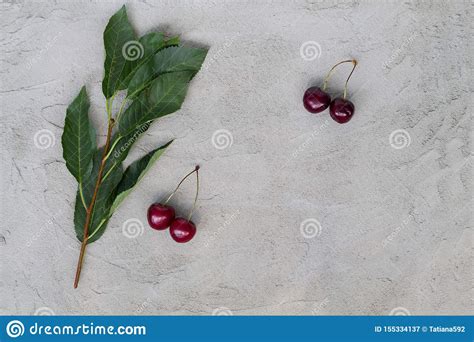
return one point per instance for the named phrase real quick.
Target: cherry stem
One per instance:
(182, 180)
(354, 62)
(196, 197)
(328, 76)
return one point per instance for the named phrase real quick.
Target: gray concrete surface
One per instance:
(298, 215)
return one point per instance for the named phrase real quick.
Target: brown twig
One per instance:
(91, 205)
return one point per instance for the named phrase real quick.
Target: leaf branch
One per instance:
(155, 85)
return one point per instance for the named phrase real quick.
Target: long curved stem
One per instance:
(354, 62)
(94, 196)
(329, 74)
(179, 184)
(196, 197)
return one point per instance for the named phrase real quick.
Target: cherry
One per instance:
(160, 216)
(316, 100)
(341, 110)
(182, 230)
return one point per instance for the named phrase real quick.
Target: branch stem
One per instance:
(94, 195)
(196, 197)
(328, 76)
(354, 64)
(182, 180)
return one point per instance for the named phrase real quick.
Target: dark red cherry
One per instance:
(160, 216)
(182, 230)
(341, 110)
(316, 100)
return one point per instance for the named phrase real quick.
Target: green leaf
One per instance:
(134, 173)
(173, 41)
(146, 47)
(164, 96)
(78, 139)
(118, 35)
(106, 194)
(171, 59)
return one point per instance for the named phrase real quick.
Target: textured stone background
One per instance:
(298, 215)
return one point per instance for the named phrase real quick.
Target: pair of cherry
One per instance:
(316, 100)
(161, 216)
